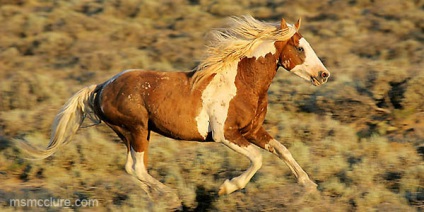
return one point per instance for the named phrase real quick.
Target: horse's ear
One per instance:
(298, 23)
(283, 24)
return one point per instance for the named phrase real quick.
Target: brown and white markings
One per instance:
(224, 100)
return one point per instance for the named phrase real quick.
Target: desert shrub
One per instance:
(99, 60)
(157, 13)
(88, 8)
(378, 78)
(50, 44)
(12, 164)
(407, 52)
(389, 156)
(135, 34)
(16, 121)
(378, 197)
(413, 101)
(16, 20)
(392, 10)
(226, 8)
(373, 45)
(25, 90)
(10, 56)
(127, 9)
(411, 184)
(383, 165)
(333, 186)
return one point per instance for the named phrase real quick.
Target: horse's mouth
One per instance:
(315, 82)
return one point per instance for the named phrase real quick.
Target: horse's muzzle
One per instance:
(321, 78)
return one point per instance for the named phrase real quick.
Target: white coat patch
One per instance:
(261, 49)
(216, 100)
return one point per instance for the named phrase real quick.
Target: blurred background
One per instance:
(360, 136)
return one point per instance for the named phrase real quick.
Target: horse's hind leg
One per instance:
(129, 164)
(138, 147)
(137, 153)
(155, 189)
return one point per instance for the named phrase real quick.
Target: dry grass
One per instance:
(360, 136)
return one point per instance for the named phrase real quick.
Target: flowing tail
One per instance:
(66, 123)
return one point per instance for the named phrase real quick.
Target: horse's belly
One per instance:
(175, 119)
(182, 128)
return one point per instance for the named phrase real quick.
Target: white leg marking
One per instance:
(129, 164)
(282, 152)
(240, 182)
(139, 168)
(141, 171)
(151, 185)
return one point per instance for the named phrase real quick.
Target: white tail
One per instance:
(65, 125)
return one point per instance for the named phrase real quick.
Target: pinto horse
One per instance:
(223, 100)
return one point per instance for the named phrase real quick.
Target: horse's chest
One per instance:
(216, 101)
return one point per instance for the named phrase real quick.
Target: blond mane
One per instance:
(233, 42)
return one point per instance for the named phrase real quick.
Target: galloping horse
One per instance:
(223, 100)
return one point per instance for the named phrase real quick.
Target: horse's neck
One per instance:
(257, 74)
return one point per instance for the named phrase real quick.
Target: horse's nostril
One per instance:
(324, 75)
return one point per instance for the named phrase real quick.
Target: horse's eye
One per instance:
(300, 49)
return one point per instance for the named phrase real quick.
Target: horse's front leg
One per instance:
(283, 153)
(265, 141)
(238, 143)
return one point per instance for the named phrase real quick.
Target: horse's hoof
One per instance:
(311, 187)
(223, 189)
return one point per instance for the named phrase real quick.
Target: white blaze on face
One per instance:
(216, 100)
(312, 64)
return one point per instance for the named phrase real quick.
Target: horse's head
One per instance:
(297, 56)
